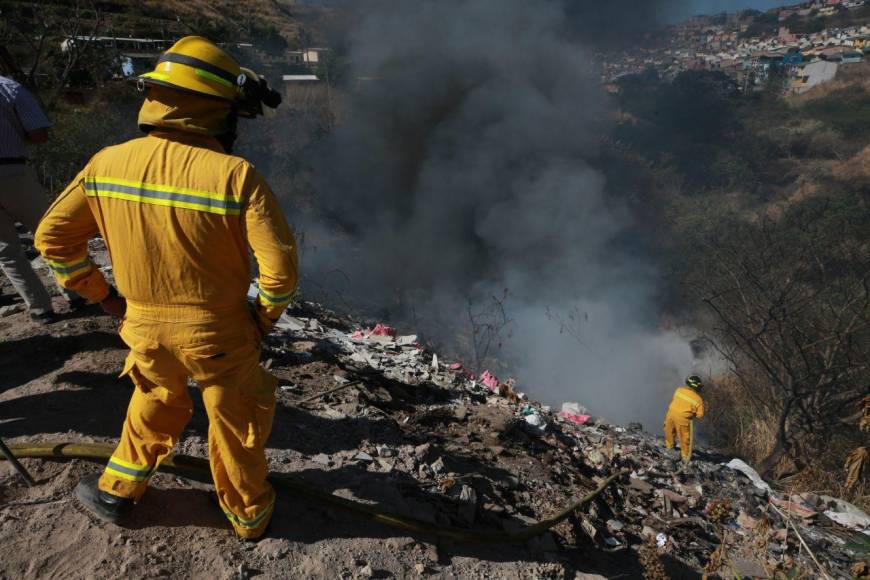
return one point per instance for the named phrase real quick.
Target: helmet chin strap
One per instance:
(228, 138)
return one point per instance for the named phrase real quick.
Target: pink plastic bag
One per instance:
(383, 330)
(578, 419)
(489, 380)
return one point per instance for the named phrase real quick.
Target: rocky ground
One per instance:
(406, 433)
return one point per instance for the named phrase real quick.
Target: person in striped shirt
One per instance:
(22, 199)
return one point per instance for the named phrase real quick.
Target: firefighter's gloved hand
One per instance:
(262, 324)
(115, 306)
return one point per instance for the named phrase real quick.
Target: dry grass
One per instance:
(745, 430)
(749, 432)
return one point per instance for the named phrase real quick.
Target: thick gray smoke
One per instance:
(463, 168)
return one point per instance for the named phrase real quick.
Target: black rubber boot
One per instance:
(104, 505)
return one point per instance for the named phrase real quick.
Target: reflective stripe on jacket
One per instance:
(686, 404)
(178, 216)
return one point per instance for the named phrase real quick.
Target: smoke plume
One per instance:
(460, 192)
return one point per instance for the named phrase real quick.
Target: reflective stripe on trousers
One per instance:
(220, 351)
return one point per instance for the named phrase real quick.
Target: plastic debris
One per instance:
(796, 506)
(742, 467)
(661, 540)
(575, 413)
(846, 514)
(489, 381)
(383, 330)
(536, 421)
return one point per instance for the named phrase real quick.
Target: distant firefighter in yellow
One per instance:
(686, 406)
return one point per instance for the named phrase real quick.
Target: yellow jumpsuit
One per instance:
(686, 405)
(178, 216)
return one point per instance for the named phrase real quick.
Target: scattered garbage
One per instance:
(543, 449)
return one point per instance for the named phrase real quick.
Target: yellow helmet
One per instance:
(196, 65)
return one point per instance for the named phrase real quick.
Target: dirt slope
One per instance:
(412, 437)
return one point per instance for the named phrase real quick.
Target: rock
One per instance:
(333, 414)
(640, 485)
(468, 502)
(746, 522)
(287, 322)
(615, 525)
(384, 451)
(585, 576)
(242, 571)
(407, 340)
(366, 571)
(363, 456)
(272, 548)
(321, 458)
(438, 466)
(595, 457)
(461, 412)
(747, 568)
(387, 465)
(674, 497)
(11, 309)
(420, 568)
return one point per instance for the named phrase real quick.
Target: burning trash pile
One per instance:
(470, 451)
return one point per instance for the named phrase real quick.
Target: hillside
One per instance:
(772, 190)
(377, 420)
(250, 21)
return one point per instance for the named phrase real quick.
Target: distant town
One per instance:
(756, 48)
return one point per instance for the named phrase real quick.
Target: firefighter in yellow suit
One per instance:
(178, 215)
(686, 406)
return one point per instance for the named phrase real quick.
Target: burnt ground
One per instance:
(411, 437)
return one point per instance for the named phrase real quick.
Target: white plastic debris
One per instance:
(537, 421)
(574, 409)
(847, 514)
(742, 467)
(661, 540)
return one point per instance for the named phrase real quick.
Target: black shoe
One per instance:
(43, 317)
(104, 505)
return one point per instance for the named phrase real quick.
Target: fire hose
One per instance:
(197, 469)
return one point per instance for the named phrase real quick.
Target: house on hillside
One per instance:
(134, 55)
(813, 74)
(307, 57)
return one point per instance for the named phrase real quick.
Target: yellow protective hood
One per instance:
(171, 109)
